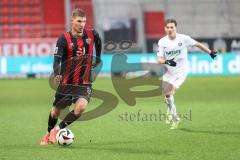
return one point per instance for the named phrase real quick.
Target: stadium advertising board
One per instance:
(27, 47)
(199, 64)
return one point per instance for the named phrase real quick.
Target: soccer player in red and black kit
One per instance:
(73, 63)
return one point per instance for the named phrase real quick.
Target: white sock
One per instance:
(172, 107)
(168, 107)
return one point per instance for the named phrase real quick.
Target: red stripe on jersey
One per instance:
(79, 61)
(69, 57)
(90, 54)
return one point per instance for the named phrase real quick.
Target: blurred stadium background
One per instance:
(29, 29)
(210, 96)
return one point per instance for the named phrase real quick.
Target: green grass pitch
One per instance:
(211, 131)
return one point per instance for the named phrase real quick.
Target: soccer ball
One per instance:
(65, 137)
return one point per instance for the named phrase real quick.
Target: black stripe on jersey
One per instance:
(84, 62)
(73, 59)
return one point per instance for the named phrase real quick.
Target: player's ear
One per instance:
(72, 19)
(165, 28)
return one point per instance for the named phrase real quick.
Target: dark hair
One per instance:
(171, 21)
(78, 13)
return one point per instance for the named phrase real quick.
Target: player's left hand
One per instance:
(97, 61)
(81, 51)
(57, 79)
(213, 54)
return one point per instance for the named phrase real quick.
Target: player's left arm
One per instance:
(213, 54)
(98, 47)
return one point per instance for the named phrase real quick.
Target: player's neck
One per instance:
(76, 34)
(172, 37)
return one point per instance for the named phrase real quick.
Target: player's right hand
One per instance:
(58, 78)
(171, 62)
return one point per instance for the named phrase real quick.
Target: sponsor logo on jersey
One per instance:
(180, 44)
(56, 50)
(173, 52)
(88, 41)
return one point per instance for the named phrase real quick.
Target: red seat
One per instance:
(15, 19)
(4, 20)
(26, 2)
(38, 29)
(16, 2)
(16, 35)
(27, 28)
(4, 2)
(26, 10)
(36, 9)
(5, 28)
(16, 29)
(36, 2)
(26, 19)
(36, 19)
(4, 10)
(15, 10)
(6, 35)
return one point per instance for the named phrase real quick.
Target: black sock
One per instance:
(71, 117)
(51, 122)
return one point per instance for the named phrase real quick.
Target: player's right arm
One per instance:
(59, 51)
(160, 53)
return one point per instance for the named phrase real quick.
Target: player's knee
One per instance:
(167, 96)
(78, 111)
(169, 99)
(55, 112)
(80, 106)
(168, 89)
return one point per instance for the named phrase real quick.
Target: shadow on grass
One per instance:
(211, 132)
(124, 147)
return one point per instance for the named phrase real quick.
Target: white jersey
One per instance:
(175, 49)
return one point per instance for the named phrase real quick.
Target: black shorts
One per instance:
(66, 95)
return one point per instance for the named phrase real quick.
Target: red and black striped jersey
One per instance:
(76, 55)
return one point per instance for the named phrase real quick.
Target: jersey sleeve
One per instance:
(98, 43)
(59, 51)
(160, 51)
(190, 41)
(60, 47)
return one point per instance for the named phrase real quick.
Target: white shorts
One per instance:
(175, 80)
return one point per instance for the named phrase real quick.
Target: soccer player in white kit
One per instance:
(172, 51)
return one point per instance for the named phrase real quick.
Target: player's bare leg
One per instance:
(175, 119)
(168, 89)
(80, 106)
(171, 115)
(52, 121)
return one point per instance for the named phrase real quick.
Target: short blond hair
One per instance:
(78, 13)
